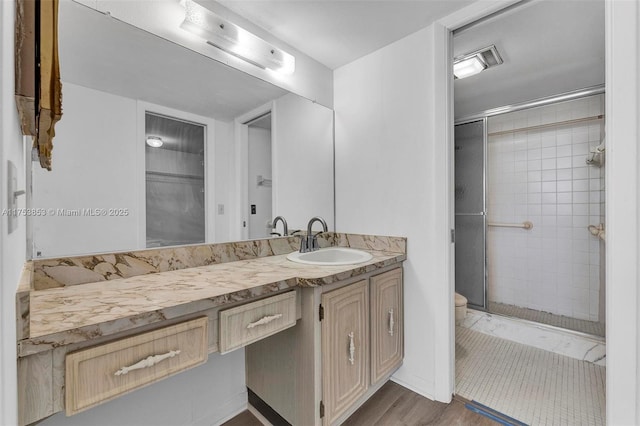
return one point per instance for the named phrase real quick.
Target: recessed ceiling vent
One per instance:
(476, 61)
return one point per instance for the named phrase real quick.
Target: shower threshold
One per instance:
(591, 328)
(573, 344)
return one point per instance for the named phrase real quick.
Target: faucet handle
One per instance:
(304, 247)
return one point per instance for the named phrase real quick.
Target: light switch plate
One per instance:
(12, 200)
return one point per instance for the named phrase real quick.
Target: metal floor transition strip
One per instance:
(492, 414)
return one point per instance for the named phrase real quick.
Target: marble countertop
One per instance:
(73, 313)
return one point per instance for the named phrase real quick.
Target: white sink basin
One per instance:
(331, 256)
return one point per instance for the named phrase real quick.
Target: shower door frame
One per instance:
(485, 280)
(484, 116)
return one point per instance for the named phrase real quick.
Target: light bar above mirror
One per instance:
(235, 40)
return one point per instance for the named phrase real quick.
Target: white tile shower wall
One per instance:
(541, 176)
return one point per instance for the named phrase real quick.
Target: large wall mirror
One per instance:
(152, 131)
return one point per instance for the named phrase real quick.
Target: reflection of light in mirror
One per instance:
(276, 75)
(246, 45)
(235, 40)
(194, 20)
(154, 141)
(288, 64)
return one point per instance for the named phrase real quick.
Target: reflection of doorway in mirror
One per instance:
(174, 181)
(259, 177)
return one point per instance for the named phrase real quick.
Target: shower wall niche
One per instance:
(540, 175)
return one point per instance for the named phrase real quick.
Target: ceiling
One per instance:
(105, 54)
(548, 48)
(336, 32)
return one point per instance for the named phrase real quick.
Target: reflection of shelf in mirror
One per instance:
(173, 175)
(263, 182)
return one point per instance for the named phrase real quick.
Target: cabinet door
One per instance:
(345, 348)
(387, 331)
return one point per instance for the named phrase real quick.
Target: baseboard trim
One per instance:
(415, 389)
(271, 415)
(258, 415)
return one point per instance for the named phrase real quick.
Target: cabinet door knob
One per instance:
(352, 349)
(391, 322)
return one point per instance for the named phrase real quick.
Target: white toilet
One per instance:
(461, 308)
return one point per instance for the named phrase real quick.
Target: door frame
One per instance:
(209, 166)
(441, 82)
(622, 38)
(239, 222)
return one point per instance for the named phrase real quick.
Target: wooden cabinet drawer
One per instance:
(253, 321)
(104, 372)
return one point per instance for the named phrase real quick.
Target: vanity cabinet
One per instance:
(102, 373)
(345, 347)
(318, 340)
(253, 321)
(387, 316)
(78, 376)
(347, 344)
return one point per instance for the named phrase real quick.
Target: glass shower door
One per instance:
(470, 221)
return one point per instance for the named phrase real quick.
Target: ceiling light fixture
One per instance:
(235, 40)
(468, 67)
(154, 141)
(476, 62)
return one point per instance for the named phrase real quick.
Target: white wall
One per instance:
(260, 195)
(94, 166)
(97, 164)
(225, 187)
(541, 176)
(302, 148)
(12, 246)
(386, 184)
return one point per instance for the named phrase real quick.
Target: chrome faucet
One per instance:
(285, 231)
(310, 242)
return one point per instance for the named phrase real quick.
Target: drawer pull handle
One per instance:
(391, 322)
(149, 361)
(264, 320)
(352, 349)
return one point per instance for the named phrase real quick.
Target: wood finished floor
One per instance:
(243, 419)
(394, 405)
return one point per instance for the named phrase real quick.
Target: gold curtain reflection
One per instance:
(38, 89)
